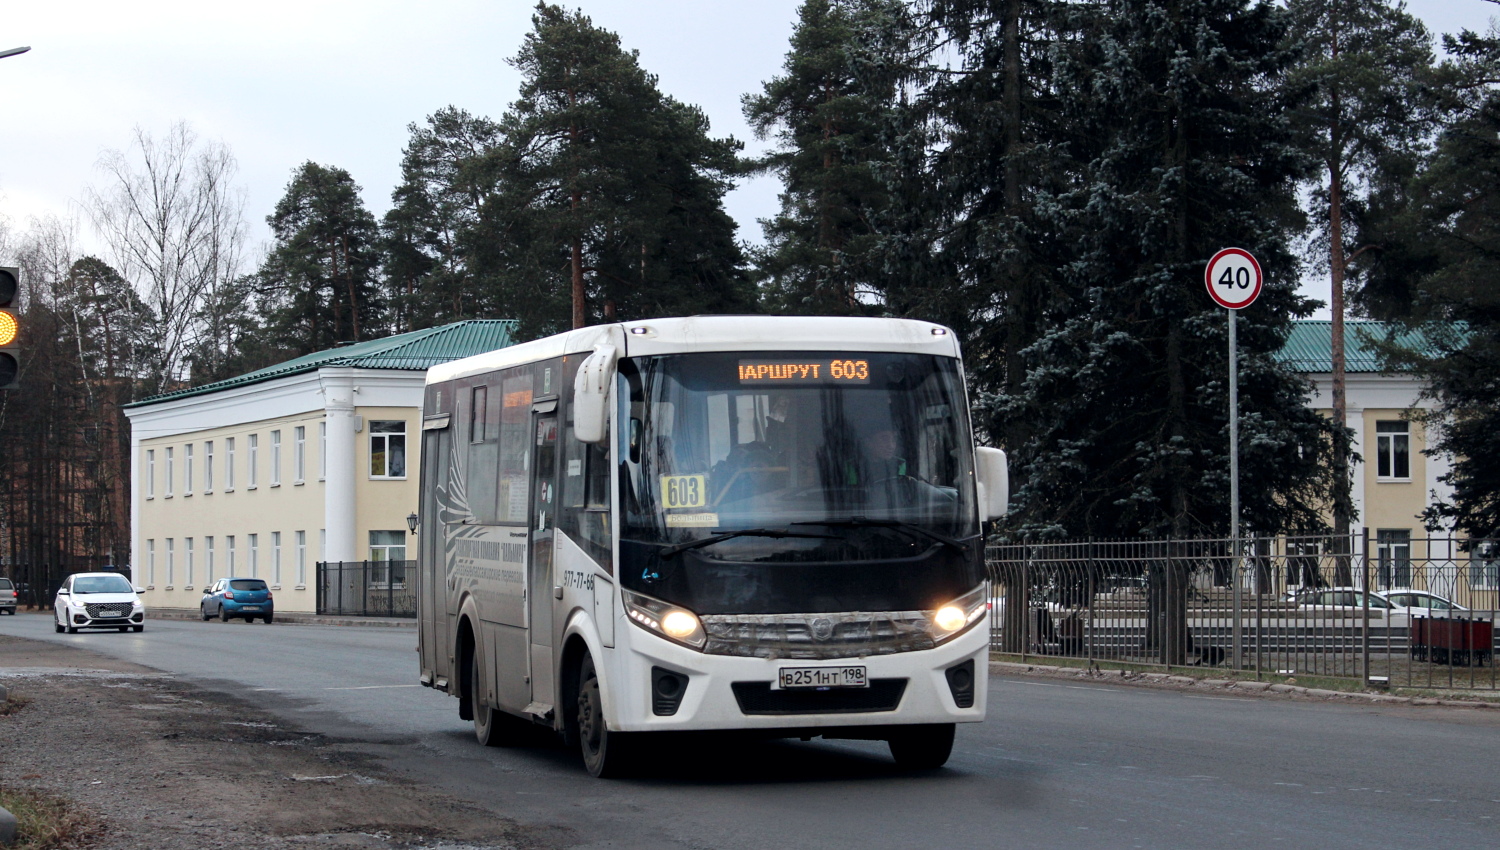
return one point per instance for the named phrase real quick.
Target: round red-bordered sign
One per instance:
(1233, 278)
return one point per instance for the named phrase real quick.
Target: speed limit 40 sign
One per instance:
(1233, 278)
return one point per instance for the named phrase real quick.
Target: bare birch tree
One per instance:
(174, 225)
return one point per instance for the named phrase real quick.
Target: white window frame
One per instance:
(208, 466)
(171, 560)
(323, 450)
(253, 550)
(187, 470)
(381, 576)
(208, 559)
(383, 439)
(187, 563)
(299, 454)
(168, 476)
(228, 464)
(150, 473)
(1385, 449)
(275, 560)
(301, 559)
(229, 554)
(151, 563)
(1484, 566)
(252, 453)
(276, 458)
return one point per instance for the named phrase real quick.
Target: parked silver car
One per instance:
(9, 596)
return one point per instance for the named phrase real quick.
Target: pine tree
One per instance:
(1364, 64)
(447, 175)
(1435, 271)
(830, 112)
(318, 282)
(602, 176)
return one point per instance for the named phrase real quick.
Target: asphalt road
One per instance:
(1057, 764)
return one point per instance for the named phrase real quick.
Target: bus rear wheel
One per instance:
(925, 747)
(606, 754)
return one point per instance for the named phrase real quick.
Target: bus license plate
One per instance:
(792, 678)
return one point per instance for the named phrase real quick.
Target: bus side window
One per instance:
(585, 491)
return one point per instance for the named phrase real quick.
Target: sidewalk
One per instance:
(296, 618)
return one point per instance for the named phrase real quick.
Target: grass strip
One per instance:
(45, 821)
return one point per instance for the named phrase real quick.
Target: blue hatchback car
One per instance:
(238, 597)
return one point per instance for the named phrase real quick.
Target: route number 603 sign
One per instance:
(1233, 278)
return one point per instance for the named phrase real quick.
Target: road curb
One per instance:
(1247, 688)
(294, 618)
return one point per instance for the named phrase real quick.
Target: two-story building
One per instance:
(268, 473)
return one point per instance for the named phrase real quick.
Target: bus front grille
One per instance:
(817, 636)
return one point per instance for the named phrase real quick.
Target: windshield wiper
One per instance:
(672, 551)
(895, 525)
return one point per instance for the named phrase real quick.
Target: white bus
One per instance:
(765, 524)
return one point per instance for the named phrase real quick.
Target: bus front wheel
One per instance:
(924, 747)
(606, 754)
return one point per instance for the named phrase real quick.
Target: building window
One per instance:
(228, 464)
(171, 557)
(1393, 557)
(276, 459)
(208, 560)
(1484, 565)
(388, 558)
(150, 473)
(299, 454)
(387, 449)
(208, 466)
(322, 450)
(252, 454)
(302, 559)
(187, 470)
(168, 488)
(322, 544)
(1393, 450)
(253, 551)
(276, 558)
(229, 554)
(151, 562)
(187, 562)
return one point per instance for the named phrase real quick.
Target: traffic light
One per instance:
(10, 328)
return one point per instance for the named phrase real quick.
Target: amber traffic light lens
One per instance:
(8, 328)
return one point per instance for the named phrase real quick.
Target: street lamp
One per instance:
(411, 521)
(14, 51)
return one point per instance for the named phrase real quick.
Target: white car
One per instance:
(1420, 603)
(98, 601)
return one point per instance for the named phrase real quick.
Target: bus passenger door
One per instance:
(432, 572)
(539, 578)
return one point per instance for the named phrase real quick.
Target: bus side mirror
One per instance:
(993, 472)
(591, 394)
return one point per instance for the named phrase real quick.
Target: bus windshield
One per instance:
(851, 466)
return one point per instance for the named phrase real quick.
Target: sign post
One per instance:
(1234, 281)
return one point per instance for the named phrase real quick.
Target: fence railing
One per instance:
(367, 588)
(1268, 605)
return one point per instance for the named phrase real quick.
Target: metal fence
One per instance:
(1267, 605)
(368, 588)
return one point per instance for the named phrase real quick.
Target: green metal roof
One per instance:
(414, 351)
(1309, 347)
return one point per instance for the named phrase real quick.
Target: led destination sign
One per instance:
(833, 371)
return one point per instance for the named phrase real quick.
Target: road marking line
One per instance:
(371, 687)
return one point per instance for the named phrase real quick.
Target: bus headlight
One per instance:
(957, 616)
(663, 618)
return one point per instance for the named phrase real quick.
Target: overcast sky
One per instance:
(338, 81)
